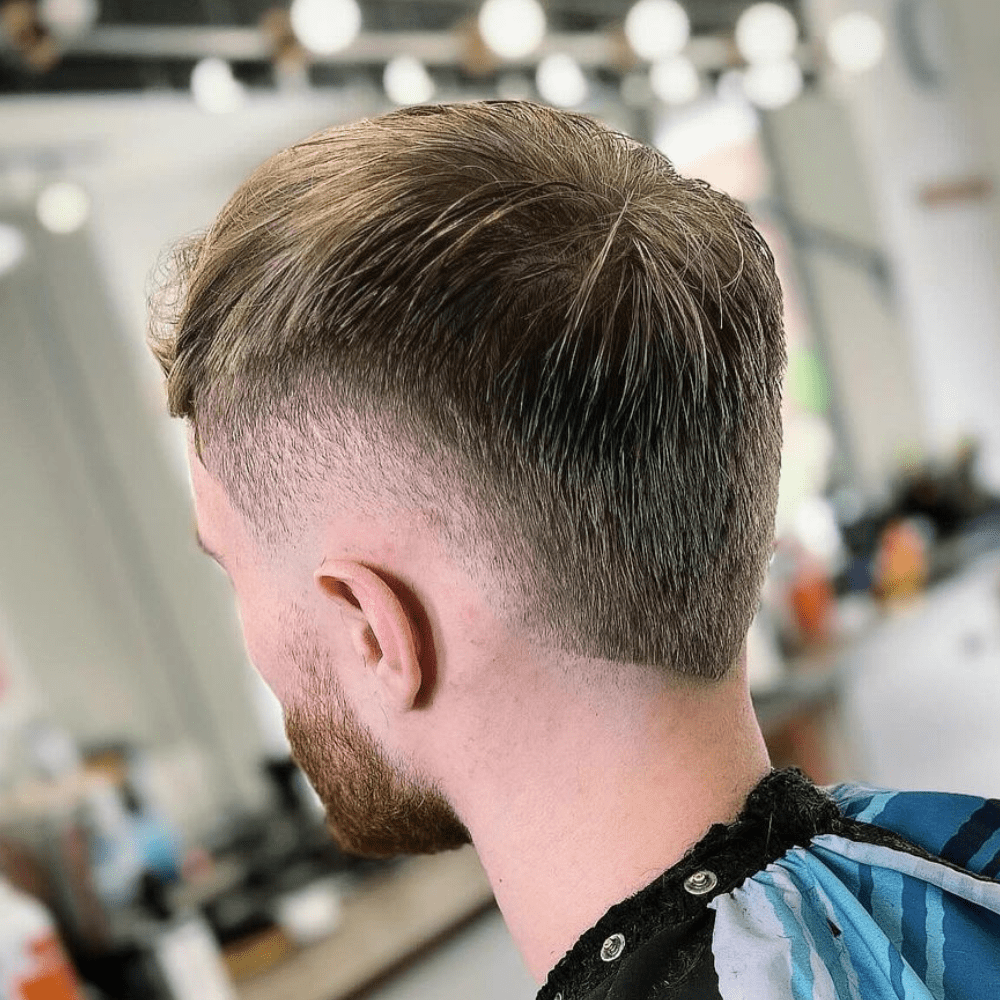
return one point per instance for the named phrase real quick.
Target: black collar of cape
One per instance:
(783, 811)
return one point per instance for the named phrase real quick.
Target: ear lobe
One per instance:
(385, 635)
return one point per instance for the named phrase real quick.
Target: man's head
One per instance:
(525, 327)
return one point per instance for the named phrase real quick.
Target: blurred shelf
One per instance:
(386, 922)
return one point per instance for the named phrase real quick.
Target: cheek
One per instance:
(270, 653)
(282, 639)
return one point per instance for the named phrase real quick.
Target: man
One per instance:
(484, 409)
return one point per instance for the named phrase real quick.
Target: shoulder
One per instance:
(844, 892)
(898, 897)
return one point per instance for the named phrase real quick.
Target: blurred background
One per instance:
(155, 837)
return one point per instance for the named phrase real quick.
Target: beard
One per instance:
(373, 809)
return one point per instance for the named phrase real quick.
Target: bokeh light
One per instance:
(674, 80)
(407, 81)
(325, 26)
(214, 87)
(657, 28)
(62, 207)
(772, 85)
(856, 42)
(561, 81)
(513, 29)
(766, 32)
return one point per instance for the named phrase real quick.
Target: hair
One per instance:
(574, 352)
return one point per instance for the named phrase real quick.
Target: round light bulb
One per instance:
(407, 81)
(325, 26)
(657, 28)
(513, 29)
(560, 81)
(674, 80)
(12, 247)
(62, 207)
(214, 87)
(766, 32)
(772, 85)
(68, 18)
(856, 42)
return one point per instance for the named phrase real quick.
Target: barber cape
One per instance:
(847, 893)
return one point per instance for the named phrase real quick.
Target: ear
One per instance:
(383, 633)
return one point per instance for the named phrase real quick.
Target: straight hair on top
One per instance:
(575, 353)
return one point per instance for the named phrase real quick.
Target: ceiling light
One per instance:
(325, 26)
(766, 32)
(674, 80)
(214, 87)
(513, 29)
(68, 18)
(657, 28)
(62, 207)
(407, 81)
(560, 81)
(772, 85)
(856, 42)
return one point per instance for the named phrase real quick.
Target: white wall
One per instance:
(974, 30)
(912, 133)
(126, 629)
(853, 315)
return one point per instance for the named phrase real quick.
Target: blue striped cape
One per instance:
(847, 919)
(846, 893)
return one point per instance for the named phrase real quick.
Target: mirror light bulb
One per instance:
(214, 87)
(62, 207)
(325, 26)
(657, 28)
(68, 18)
(674, 80)
(561, 81)
(772, 85)
(856, 42)
(512, 29)
(407, 81)
(766, 32)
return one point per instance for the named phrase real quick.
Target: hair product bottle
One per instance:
(33, 964)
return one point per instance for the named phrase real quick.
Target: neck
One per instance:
(577, 810)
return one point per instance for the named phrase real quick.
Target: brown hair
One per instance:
(587, 346)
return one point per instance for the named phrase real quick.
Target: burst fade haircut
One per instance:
(574, 353)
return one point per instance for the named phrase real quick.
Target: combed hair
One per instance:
(575, 354)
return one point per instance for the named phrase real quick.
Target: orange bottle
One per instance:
(901, 566)
(33, 964)
(812, 602)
